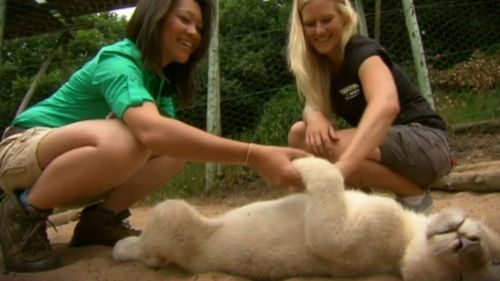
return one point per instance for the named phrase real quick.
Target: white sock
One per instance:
(23, 198)
(413, 200)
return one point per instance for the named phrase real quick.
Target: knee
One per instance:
(124, 151)
(128, 152)
(167, 163)
(179, 164)
(296, 135)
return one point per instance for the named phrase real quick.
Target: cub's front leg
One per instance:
(324, 184)
(326, 208)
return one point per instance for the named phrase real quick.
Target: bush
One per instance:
(478, 73)
(284, 109)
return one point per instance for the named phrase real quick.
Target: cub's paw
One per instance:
(126, 249)
(318, 172)
(311, 165)
(456, 240)
(448, 220)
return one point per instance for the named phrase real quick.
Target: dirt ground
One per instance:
(95, 262)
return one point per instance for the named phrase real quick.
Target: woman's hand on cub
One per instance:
(274, 164)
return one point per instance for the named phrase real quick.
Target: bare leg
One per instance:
(370, 173)
(156, 172)
(84, 159)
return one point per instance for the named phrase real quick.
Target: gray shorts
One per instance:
(417, 152)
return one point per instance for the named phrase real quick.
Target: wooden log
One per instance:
(485, 126)
(64, 217)
(480, 177)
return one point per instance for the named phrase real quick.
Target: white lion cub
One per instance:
(324, 231)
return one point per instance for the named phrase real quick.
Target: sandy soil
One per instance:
(95, 262)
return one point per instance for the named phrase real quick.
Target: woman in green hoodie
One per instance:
(109, 135)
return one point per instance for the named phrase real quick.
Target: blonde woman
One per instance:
(397, 142)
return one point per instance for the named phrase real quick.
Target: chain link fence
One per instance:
(460, 39)
(258, 97)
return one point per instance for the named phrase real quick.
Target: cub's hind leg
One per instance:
(174, 227)
(131, 249)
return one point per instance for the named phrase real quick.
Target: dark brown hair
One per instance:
(144, 29)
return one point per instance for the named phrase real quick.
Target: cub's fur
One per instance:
(324, 231)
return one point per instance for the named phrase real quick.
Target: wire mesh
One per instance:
(258, 97)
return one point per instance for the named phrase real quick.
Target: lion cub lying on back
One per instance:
(325, 231)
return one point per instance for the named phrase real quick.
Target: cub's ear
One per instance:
(445, 221)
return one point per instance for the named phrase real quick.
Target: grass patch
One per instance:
(189, 182)
(279, 113)
(467, 106)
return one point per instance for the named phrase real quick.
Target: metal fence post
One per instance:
(418, 51)
(363, 29)
(213, 97)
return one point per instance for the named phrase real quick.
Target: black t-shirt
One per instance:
(347, 97)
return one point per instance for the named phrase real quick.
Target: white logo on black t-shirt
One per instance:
(350, 92)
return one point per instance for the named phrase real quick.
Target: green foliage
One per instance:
(86, 43)
(251, 16)
(189, 182)
(252, 40)
(108, 28)
(23, 57)
(283, 110)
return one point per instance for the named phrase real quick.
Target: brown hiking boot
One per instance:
(23, 236)
(102, 227)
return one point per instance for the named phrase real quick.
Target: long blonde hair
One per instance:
(312, 71)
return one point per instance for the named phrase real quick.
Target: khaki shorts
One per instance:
(417, 152)
(19, 167)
